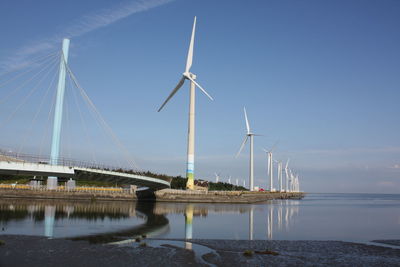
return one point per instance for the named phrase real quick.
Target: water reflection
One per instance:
(113, 221)
(189, 225)
(285, 212)
(317, 217)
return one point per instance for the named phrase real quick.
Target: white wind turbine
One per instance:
(270, 169)
(216, 177)
(187, 75)
(280, 176)
(287, 175)
(279, 167)
(251, 135)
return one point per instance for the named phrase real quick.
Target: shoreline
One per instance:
(165, 195)
(19, 250)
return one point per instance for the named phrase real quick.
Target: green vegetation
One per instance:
(268, 252)
(90, 179)
(248, 253)
(2, 243)
(9, 179)
(224, 187)
(178, 182)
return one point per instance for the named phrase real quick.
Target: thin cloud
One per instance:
(83, 25)
(348, 151)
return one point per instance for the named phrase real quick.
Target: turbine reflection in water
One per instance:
(115, 221)
(189, 225)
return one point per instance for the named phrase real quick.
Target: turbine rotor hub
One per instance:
(190, 75)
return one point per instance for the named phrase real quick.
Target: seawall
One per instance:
(165, 195)
(171, 195)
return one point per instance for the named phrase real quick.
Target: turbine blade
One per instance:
(180, 83)
(201, 88)
(247, 121)
(273, 147)
(287, 164)
(190, 52)
(241, 147)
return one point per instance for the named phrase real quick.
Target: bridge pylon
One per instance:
(58, 113)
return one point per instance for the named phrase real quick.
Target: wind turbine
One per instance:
(280, 176)
(287, 175)
(279, 165)
(187, 75)
(251, 135)
(216, 177)
(270, 169)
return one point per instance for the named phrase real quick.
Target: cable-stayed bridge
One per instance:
(34, 77)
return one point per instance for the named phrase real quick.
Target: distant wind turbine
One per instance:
(187, 75)
(216, 177)
(287, 175)
(270, 169)
(251, 135)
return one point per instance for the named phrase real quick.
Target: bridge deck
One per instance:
(41, 169)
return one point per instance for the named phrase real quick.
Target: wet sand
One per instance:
(40, 251)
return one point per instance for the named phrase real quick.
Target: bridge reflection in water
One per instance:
(116, 221)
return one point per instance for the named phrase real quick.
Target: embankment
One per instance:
(171, 195)
(165, 195)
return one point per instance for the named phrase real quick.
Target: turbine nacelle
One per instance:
(189, 75)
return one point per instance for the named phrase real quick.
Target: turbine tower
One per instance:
(216, 177)
(270, 169)
(287, 175)
(280, 176)
(251, 135)
(187, 75)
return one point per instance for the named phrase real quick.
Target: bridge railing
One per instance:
(67, 162)
(61, 188)
(61, 161)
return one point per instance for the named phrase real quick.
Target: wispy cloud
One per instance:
(83, 25)
(348, 151)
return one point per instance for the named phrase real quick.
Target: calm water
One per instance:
(351, 217)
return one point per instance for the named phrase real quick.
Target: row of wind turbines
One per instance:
(291, 178)
(291, 183)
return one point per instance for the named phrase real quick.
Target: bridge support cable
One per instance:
(67, 128)
(85, 130)
(37, 112)
(31, 63)
(49, 68)
(97, 114)
(49, 60)
(47, 126)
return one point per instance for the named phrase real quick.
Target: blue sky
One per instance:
(320, 77)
